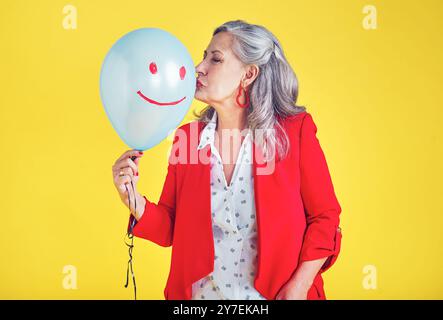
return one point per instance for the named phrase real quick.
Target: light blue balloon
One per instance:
(147, 84)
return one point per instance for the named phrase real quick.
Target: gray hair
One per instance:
(273, 94)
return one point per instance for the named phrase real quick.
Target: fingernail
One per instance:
(136, 174)
(140, 152)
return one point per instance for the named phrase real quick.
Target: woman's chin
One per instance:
(198, 97)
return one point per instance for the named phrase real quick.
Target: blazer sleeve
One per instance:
(157, 222)
(322, 236)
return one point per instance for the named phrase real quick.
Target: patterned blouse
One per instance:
(233, 226)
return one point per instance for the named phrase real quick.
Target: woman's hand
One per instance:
(125, 171)
(293, 291)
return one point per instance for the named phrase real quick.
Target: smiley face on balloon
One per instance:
(153, 70)
(147, 84)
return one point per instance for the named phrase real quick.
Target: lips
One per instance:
(199, 84)
(159, 103)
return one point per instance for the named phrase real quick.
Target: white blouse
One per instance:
(233, 226)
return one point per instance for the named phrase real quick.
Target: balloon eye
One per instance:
(153, 68)
(182, 73)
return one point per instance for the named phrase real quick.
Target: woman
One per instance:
(258, 219)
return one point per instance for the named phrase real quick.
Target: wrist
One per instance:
(141, 202)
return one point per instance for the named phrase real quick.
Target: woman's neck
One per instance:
(227, 120)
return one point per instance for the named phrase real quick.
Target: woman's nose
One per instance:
(199, 69)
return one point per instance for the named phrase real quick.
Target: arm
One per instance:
(321, 244)
(301, 281)
(157, 221)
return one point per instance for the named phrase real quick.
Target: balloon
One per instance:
(147, 84)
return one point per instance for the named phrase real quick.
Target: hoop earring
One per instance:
(237, 99)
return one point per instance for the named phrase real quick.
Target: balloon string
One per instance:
(131, 236)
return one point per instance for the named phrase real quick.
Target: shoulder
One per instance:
(296, 123)
(297, 118)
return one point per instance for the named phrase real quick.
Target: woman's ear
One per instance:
(252, 72)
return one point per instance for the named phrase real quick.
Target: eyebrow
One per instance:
(213, 51)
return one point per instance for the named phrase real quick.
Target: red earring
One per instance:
(242, 105)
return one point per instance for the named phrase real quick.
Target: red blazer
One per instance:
(296, 208)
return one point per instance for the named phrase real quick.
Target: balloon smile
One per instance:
(159, 103)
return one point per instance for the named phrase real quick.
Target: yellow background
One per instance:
(375, 96)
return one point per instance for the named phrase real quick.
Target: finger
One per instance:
(134, 167)
(123, 171)
(127, 163)
(122, 164)
(122, 189)
(125, 179)
(120, 176)
(123, 156)
(119, 171)
(121, 181)
(130, 153)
